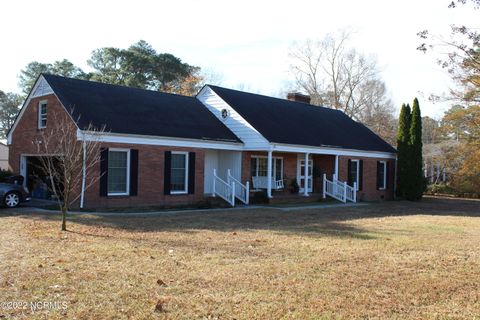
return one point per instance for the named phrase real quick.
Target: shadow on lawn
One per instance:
(312, 222)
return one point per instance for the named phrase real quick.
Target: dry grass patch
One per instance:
(393, 260)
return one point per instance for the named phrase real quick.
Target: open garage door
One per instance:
(38, 182)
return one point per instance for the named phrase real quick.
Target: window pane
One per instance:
(117, 171)
(43, 114)
(353, 171)
(178, 172)
(278, 169)
(253, 167)
(381, 168)
(262, 167)
(178, 161)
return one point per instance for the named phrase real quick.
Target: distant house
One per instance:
(3, 156)
(166, 149)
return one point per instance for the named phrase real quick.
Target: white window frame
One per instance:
(273, 165)
(40, 118)
(384, 175)
(185, 191)
(357, 178)
(127, 193)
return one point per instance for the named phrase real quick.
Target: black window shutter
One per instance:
(360, 176)
(167, 172)
(387, 172)
(379, 177)
(191, 172)
(103, 172)
(349, 173)
(133, 172)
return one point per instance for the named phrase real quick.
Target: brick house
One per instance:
(164, 149)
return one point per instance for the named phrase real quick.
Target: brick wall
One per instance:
(150, 158)
(27, 132)
(151, 161)
(326, 164)
(369, 190)
(322, 164)
(151, 166)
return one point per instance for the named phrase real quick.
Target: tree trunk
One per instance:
(64, 218)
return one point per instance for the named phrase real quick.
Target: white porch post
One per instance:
(324, 185)
(269, 174)
(336, 167)
(305, 180)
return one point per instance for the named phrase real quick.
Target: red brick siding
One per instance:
(322, 164)
(326, 164)
(150, 170)
(150, 180)
(369, 190)
(26, 131)
(151, 166)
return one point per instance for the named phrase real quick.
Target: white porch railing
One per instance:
(242, 192)
(261, 182)
(223, 189)
(339, 190)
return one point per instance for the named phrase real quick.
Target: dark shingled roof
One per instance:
(136, 111)
(289, 122)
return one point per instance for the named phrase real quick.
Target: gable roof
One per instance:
(297, 123)
(127, 110)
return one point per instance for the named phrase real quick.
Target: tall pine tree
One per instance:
(403, 140)
(415, 189)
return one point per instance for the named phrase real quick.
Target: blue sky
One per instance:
(247, 42)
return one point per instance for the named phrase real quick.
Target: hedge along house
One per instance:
(164, 149)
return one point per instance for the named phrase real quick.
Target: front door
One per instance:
(301, 175)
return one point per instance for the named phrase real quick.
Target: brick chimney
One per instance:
(298, 97)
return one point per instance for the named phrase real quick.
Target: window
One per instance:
(259, 167)
(42, 114)
(354, 173)
(381, 175)
(118, 172)
(179, 173)
(278, 168)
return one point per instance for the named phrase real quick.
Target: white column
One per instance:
(305, 180)
(269, 174)
(324, 185)
(336, 166)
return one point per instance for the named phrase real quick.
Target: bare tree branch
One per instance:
(62, 158)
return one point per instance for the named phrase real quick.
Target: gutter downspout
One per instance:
(395, 179)
(84, 173)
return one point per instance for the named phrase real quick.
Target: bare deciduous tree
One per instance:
(66, 160)
(339, 77)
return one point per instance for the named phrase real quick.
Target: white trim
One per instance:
(336, 165)
(23, 168)
(127, 192)
(223, 145)
(158, 141)
(27, 102)
(331, 151)
(235, 122)
(39, 114)
(269, 174)
(306, 176)
(384, 175)
(274, 165)
(185, 191)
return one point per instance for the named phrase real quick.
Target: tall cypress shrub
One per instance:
(403, 140)
(415, 189)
